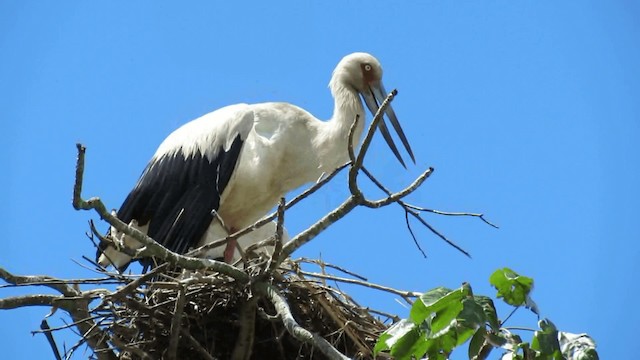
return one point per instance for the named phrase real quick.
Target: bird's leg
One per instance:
(230, 249)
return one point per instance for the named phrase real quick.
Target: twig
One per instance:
(244, 343)
(311, 232)
(413, 236)
(400, 194)
(415, 215)
(44, 326)
(406, 294)
(277, 249)
(176, 325)
(193, 342)
(450, 213)
(355, 168)
(336, 267)
(293, 327)
(41, 280)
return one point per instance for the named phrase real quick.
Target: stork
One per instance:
(225, 170)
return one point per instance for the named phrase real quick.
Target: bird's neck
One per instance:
(347, 107)
(332, 145)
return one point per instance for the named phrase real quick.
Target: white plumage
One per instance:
(239, 160)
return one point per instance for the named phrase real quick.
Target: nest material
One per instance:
(202, 317)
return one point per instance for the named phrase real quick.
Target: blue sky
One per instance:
(528, 110)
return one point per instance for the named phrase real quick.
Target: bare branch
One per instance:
(400, 194)
(244, 343)
(44, 326)
(355, 168)
(404, 294)
(415, 214)
(176, 325)
(293, 327)
(42, 280)
(72, 301)
(277, 249)
(311, 232)
(450, 213)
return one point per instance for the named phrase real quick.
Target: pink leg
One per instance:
(230, 249)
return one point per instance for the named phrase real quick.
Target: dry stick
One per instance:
(453, 213)
(151, 247)
(44, 326)
(294, 329)
(277, 249)
(409, 210)
(244, 342)
(413, 236)
(311, 232)
(193, 342)
(79, 310)
(42, 280)
(133, 285)
(357, 164)
(344, 326)
(336, 267)
(176, 325)
(404, 294)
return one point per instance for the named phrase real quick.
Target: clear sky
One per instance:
(528, 110)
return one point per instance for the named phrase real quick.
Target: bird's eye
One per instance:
(367, 67)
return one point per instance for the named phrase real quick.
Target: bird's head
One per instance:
(363, 73)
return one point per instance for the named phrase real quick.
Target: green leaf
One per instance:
(472, 315)
(577, 346)
(439, 347)
(489, 311)
(546, 341)
(421, 308)
(392, 335)
(411, 344)
(512, 287)
(440, 305)
(476, 343)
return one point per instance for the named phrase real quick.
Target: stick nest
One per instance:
(205, 316)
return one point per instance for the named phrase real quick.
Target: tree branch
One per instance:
(293, 327)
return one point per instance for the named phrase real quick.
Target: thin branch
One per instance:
(413, 236)
(176, 325)
(277, 249)
(450, 213)
(294, 329)
(311, 232)
(415, 215)
(400, 194)
(355, 168)
(244, 342)
(193, 342)
(405, 294)
(44, 326)
(323, 264)
(40, 280)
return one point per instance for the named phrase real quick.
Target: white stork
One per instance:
(238, 161)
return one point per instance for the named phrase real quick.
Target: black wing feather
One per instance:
(176, 195)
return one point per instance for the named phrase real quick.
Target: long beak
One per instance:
(373, 98)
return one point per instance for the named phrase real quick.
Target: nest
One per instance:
(209, 316)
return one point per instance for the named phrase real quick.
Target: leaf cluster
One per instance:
(443, 319)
